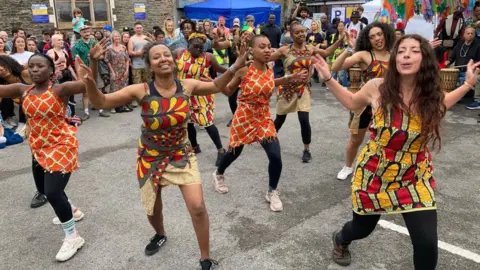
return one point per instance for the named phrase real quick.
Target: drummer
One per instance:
(466, 50)
(372, 53)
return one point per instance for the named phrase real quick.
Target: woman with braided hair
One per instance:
(194, 63)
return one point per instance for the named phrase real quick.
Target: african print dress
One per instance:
(394, 170)
(51, 138)
(376, 69)
(164, 155)
(295, 96)
(252, 121)
(201, 107)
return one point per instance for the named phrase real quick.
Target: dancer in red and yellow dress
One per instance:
(52, 141)
(394, 170)
(165, 156)
(194, 63)
(295, 97)
(372, 53)
(252, 121)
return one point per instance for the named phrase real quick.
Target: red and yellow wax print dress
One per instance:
(252, 121)
(360, 119)
(52, 139)
(295, 96)
(201, 107)
(164, 155)
(394, 170)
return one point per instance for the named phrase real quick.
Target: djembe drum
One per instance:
(449, 77)
(355, 75)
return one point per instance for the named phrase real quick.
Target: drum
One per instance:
(354, 89)
(355, 75)
(449, 77)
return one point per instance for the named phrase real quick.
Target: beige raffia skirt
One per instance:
(295, 104)
(190, 175)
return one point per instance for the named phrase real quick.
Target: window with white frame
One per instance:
(96, 12)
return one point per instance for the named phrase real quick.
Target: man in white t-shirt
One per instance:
(304, 16)
(355, 25)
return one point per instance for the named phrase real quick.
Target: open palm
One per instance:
(322, 67)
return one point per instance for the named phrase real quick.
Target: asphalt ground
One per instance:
(245, 234)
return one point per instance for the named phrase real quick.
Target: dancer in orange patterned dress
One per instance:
(252, 121)
(295, 97)
(164, 155)
(393, 174)
(52, 141)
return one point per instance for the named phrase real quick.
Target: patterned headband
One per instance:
(197, 35)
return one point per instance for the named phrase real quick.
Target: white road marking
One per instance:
(442, 245)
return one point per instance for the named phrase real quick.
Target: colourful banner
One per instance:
(140, 13)
(40, 13)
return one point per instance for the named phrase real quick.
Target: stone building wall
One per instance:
(18, 13)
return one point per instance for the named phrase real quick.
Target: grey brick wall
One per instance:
(157, 11)
(18, 13)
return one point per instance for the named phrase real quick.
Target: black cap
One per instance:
(355, 14)
(45, 31)
(126, 29)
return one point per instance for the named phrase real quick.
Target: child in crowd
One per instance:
(78, 21)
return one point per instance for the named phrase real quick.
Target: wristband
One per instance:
(331, 76)
(232, 69)
(468, 85)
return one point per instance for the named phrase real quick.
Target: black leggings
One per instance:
(305, 128)
(212, 132)
(71, 104)
(422, 226)
(53, 186)
(7, 107)
(232, 101)
(274, 157)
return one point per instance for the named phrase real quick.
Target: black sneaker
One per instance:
(155, 244)
(219, 158)
(197, 149)
(38, 200)
(307, 156)
(208, 264)
(340, 253)
(229, 123)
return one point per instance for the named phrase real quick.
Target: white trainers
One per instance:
(273, 198)
(77, 216)
(219, 183)
(344, 173)
(69, 248)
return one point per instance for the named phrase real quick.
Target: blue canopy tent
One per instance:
(231, 9)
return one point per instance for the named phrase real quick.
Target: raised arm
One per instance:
(12, 90)
(331, 49)
(218, 68)
(235, 82)
(471, 78)
(351, 101)
(294, 15)
(278, 54)
(345, 62)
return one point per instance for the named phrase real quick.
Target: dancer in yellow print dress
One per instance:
(394, 170)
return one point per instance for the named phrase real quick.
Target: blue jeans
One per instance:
(461, 78)
(341, 77)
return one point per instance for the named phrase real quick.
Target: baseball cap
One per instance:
(107, 28)
(126, 29)
(355, 14)
(85, 26)
(236, 22)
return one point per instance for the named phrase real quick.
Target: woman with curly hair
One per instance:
(393, 174)
(371, 54)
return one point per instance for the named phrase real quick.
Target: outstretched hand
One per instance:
(435, 43)
(84, 73)
(472, 72)
(242, 59)
(98, 49)
(322, 67)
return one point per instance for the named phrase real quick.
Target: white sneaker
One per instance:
(219, 183)
(77, 216)
(344, 173)
(69, 247)
(273, 198)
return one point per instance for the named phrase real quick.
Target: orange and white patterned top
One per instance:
(52, 139)
(252, 121)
